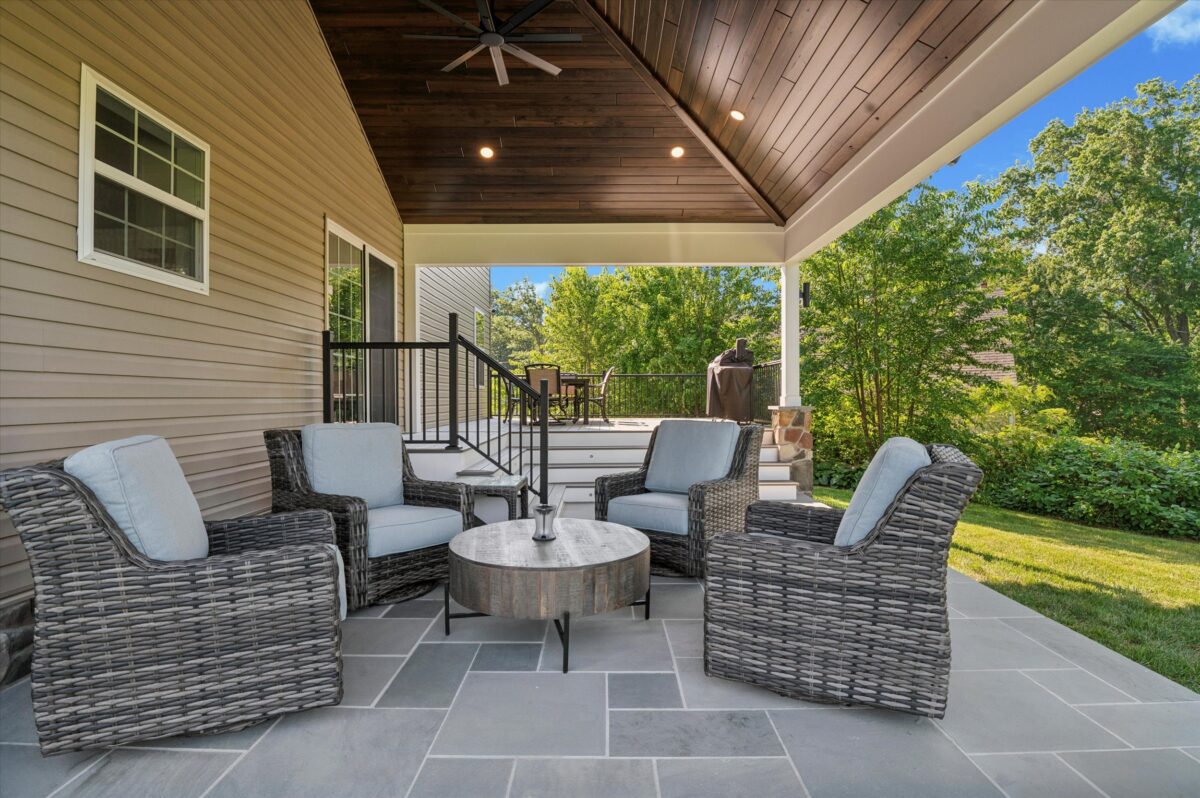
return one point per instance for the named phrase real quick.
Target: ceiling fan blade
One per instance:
(485, 15)
(462, 59)
(525, 13)
(529, 58)
(450, 15)
(544, 37)
(439, 38)
(498, 63)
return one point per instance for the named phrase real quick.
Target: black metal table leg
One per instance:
(564, 637)
(644, 603)
(448, 615)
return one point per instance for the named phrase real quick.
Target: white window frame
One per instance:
(89, 167)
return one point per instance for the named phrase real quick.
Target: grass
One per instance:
(1138, 595)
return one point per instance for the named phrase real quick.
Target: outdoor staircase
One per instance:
(579, 454)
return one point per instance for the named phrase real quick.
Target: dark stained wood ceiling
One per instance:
(816, 79)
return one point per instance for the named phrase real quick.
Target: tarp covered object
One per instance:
(730, 376)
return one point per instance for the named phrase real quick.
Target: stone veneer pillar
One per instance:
(792, 426)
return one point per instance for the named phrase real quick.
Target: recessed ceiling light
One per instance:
(486, 152)
(677, 152)
(737, 115)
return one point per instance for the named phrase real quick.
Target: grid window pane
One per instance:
(153, 170)
(114, 150)
(114, 114)
(109, 235)
(145, 212)
(346, 313)
(110, 198)
(179, 258)
(189, 157)
(154, 136)
(188, 188)
(181, 227)
(145, 247)
(134, 226)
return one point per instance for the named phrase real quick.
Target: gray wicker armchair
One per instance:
(714, 507)
(786, 609)
(369, 580)
(130, 648)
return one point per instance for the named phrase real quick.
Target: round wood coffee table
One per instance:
(592, 567)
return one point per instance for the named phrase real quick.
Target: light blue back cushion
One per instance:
(658, 512)
(363, 460)
(896, 461)
(687, 452)
(140, 483)
(391, 530)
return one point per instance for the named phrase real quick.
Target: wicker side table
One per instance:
(513, 488)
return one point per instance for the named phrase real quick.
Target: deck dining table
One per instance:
(578, 388)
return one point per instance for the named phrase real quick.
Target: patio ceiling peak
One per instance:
(813, 81)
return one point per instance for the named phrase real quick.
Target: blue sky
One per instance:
(1170, 50)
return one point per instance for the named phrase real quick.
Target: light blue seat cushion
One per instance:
(140, 483)
(341, 566)
(659, 512)
(687, 452)
(363, 460)
(896, 461)
(407, 527)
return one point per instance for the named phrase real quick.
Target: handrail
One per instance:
(523, 442)
(496, 366)
(403, 345)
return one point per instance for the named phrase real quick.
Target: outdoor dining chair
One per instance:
(552, 374)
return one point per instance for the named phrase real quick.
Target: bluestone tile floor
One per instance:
(1035, 710)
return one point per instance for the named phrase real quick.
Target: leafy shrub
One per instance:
(1107, 482)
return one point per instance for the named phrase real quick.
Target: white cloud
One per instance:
(1180, 27)
(543, 290)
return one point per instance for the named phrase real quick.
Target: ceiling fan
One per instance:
(497, 36)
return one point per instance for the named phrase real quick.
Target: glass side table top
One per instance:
(496, 480)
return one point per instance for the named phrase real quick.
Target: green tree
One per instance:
(677, 319)
(900, 305)
(517, 316)
(1107, 299)
(583, 322)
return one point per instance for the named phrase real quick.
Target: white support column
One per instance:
(789, 335)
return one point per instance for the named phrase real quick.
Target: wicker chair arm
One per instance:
(729, 496)
(252, 533)
(760, 558)
(281, 577)
(817, 524)
(431, 493)
(610, 486)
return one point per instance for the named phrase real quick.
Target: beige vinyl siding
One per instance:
(443, 290)
(88, 354)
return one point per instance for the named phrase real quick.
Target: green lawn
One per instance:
(1136, 594)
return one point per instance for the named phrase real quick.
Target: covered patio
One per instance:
(340, 160)
(1035, 710)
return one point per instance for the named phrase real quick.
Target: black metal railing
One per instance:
(365, 381)
(515, 442)
(652, 395)
(682, 395)
(454, 394)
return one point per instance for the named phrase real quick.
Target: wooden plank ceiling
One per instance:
(815, 80)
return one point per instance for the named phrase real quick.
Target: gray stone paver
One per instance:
(1035, 709)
